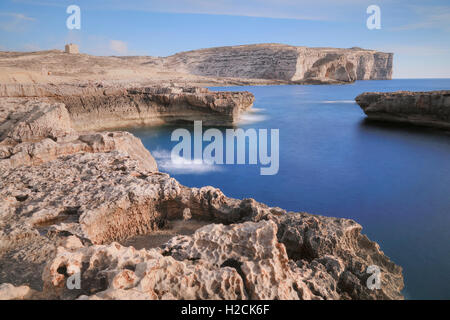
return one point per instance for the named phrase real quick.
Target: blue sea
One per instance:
(392, 179)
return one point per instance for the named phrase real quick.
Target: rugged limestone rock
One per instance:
(241, 261)
(283, 62)
(338, 245)
(34, 132)
(96, 107)
(15, 154)
(430, 108)
(32, 120)
(235, 65)
(67, 197)
(10, 292)
(117, 272)
(105, 197)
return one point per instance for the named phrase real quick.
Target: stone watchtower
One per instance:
(71, 48)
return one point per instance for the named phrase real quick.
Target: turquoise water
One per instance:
(392, 179)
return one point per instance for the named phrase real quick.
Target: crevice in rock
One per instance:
(235, 264)
(22, 197)
(71, 210)
(62, 269)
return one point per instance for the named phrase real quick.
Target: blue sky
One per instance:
(418, 32)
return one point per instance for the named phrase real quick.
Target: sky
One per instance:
(417, 32)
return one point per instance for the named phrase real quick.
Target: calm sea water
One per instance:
(394, 180)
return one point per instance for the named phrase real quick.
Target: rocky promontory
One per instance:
(103, 106)
(284, 62)
(257, 64)
(429, 108)
(73, 200)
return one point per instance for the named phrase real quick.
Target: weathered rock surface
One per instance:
(284, 62)
(34, 132)
(67, 197)
(11, 292)
(13, 154)
(117, 272)
(33, 120)
(105, 197)
(98, 107)
(431, 108)
(234, 65)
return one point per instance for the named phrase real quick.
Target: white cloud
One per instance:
(14, 21)
(19, 16)
(432, 17)
(318, 10)
(119, 47)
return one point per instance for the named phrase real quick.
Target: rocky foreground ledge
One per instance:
(72, 202)
(431, 108)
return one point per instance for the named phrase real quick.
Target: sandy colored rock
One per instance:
(431, 108)
(258, 64)
(69, 194)
(34, 153)
(33, 132)
(342, 251)
(117, 272)
(105, 197)
(11, 292)
(33, 120)
(238, 261)
(253, 250)
(98, 107)
(284, 62)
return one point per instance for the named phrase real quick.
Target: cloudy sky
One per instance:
(418, 32)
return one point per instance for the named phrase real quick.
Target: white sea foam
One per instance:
(249, 118)
(179, 165)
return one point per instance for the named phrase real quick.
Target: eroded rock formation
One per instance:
(34, 132)
(105, 197)
(98, 107)
(69, 198)
(284, 62)
(237, 261)
(430, 108)
(234, 65)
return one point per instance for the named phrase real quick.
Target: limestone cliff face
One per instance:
(430, 108)
(284, 62)
(236, 65)
(34, 132)
(97, 107)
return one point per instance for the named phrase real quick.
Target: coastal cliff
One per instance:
(284, 62)
(430, 108)
(99, 106)
(71, 201)
(234, 65)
